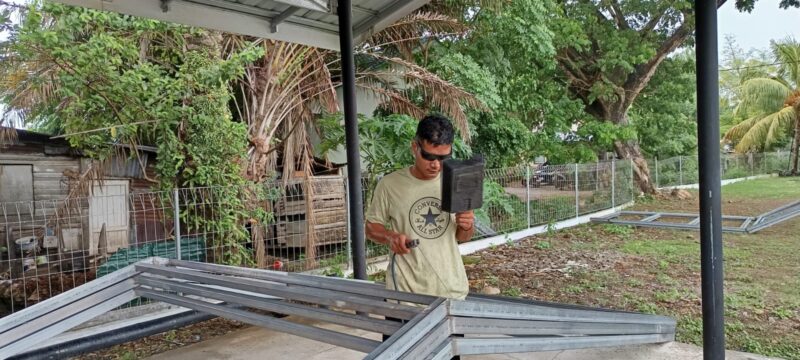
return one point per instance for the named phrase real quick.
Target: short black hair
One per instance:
(435, 129)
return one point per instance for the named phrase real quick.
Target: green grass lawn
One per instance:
(658, 270)
(771, 188)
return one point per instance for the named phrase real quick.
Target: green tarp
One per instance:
(192, 249)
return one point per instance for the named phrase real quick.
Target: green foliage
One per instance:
(501, 210)
(512, 292)
(465, 72)
(784, 313)
(503, 140)
(768, 108)
(125, 80)
(334, 266)
(507, 61)
(664, 113)
(621, 230)
(543, 245)
(385, 142)
(748, 5)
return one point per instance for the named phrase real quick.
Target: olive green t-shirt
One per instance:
(411, 206)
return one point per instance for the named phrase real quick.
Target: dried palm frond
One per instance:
(406, 34)
(278, 93)
(458, 8)
(435, 92)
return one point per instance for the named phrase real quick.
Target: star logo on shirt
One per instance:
(427, 219)
(430, 217)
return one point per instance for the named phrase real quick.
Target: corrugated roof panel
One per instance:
(314, 25)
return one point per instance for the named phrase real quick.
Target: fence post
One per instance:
(613, 182)
(597, 175)
(633, 182)
(177, 222)
(752, 160)
(657, 186)
(680, 170)
(723, 164)
(348, 225)
(528, 193)
(577, 197)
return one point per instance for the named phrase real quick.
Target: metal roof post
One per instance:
(709, 169)
(356, 210)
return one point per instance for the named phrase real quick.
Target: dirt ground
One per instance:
(658, 271)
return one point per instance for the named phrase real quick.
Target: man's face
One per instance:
(428, 157)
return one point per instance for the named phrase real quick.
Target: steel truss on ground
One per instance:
(427, 327)
(743, 224)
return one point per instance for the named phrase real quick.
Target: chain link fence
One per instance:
(48, 247)
(682, 170)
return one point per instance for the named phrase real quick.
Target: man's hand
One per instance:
(397, 242)
(465, 220)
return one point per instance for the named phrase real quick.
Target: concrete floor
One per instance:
(257, 343)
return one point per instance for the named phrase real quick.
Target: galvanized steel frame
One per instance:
(650, 219)
(437, 328)
(748, 224)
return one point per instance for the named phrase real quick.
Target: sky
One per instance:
(755, 30)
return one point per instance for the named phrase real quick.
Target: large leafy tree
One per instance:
(664, 114)
(610, 50)
(507, 61)
(770, 106)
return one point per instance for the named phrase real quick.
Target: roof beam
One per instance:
(386, 17)
(239, 20)
(282, 16)
(315, 5)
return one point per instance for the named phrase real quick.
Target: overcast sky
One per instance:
(755, 30)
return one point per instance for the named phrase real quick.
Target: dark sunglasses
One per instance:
(432, 157)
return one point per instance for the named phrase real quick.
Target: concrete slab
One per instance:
(257, 343)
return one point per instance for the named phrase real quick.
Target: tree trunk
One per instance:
(631, 150)
(795, 146)
(641, 172)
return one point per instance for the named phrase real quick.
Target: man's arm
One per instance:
(379, 234)
(465, 222)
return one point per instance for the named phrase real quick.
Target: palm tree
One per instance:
(770, 106)
(281, 93)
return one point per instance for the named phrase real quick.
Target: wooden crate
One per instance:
(329, 213)
(294, 234)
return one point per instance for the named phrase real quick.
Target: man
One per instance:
(406, 206)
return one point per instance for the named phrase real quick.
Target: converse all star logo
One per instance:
(427, 218)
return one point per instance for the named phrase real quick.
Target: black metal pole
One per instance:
(351, 140)
(710, 196)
